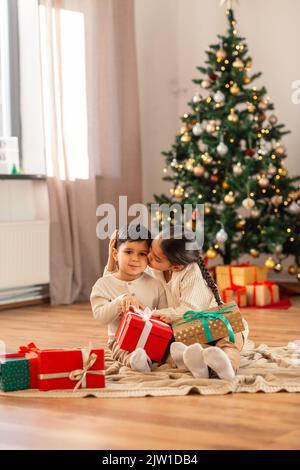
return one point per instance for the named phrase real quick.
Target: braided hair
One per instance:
(184, 250)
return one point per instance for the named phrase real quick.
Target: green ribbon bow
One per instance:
(204, 316)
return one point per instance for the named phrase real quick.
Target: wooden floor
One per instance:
(242, 421)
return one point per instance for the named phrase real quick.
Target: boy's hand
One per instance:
(111, 264)
(129, 300)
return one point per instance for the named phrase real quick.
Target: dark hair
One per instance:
(176, 250)
(133, 233)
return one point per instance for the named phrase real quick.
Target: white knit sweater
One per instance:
(186, 290)
(108, 291)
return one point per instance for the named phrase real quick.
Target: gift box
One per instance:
(71, 369)
(240, 275)
(138, 330)
(14, 373)
(235, 294)
(209, 325)
(28, 352)
(262, 294)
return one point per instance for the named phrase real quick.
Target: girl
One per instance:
(176, 261)
(129, 285)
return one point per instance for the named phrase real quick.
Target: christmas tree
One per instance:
(229, 157)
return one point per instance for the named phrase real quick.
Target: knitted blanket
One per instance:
(262, 369)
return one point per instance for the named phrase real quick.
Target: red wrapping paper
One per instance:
(130, 330)
(28, 353)
(66, 361)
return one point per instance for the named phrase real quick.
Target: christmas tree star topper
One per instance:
(228, 3)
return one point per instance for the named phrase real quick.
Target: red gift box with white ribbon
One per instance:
(71, 369)
(138, 330)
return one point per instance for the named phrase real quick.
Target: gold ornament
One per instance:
(221, 54)
(225, 185)
(234, 90)
(207, 209)
(251, 107)
(270, 263)
(248, 65)
(263, 182)
(255, 213)
(211, 127)
(211, 253)
(186, 137)
(206, 84)
(276, 200)
(262, 105)
(233, 116)
(280, 150)
(238, 64)
(179, 192)
(206, 158)
(240, 224)
(255, 253)
(246, 80)
(298, 276)
(248, 203)
(229, 198)
(198, 171)
(260, 117)
(292, 270)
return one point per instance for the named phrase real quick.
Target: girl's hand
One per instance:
(111, 264)
(166, 317)
(129, 300)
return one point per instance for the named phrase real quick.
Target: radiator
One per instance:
(24, 254)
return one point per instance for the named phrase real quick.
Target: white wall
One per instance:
(172, 36)
(31, 89)
(157, 51)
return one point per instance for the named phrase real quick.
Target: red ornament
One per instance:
(213, 76)
(250, 152)
(205, 259)
(214, 178)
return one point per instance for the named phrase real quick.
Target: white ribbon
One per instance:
(145, 315)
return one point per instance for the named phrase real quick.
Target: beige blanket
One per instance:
(263, 369)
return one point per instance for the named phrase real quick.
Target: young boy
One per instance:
(129, 285)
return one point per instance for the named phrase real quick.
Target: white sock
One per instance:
(176, 350)
(193, 359)
(139, 361)
(219, 362)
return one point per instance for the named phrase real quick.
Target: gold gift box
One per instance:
(238, 296)
(241, 275)
(262, 294)
(190, 332)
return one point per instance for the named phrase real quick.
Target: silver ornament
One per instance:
(237, 169)
(196, 98)
(197, 129)
(294, 208)
(219, 97)
(222, 149)
(221, 236)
